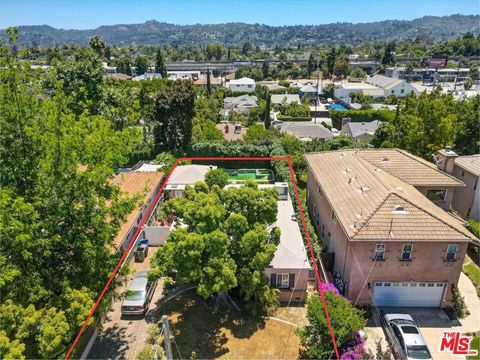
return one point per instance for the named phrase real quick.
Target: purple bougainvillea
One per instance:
(329, 287)
(354, 350)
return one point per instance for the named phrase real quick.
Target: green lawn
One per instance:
(475, 345)
(473, 272)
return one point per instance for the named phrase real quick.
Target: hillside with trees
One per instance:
(154, 33)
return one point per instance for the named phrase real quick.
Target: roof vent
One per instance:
(363, 189)
(350, 180)
(384, 159)
(399, 209)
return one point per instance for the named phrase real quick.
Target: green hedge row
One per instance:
(293, 118)
(227, 149)
(361, 116)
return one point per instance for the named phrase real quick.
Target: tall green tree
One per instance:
(141, 65)
(226, 245)
(82, 81)
(266, 117)
(265, 69)
(97, 45)
(331, 59)
(388, 54)
(160, 67)
(59, 212)
(173, 111)
(209, 84)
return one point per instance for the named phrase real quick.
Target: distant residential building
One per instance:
(387, 243)
(214, 81)
(360, 131)
(147, 76)
(347, 88)
(278, 99)
(466, 200)
(274, 86)
(311, 92)
(243, 84)
(428, 74)
(241, 103)
(306, 130)
(183, 75)
(391, 86)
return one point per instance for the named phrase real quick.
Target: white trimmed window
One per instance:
(407, 252)
(282, 281)
(451, 252)
(379, 252)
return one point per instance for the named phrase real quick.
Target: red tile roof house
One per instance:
(391, 245)
(148, 185)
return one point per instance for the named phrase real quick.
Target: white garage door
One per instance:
(422, 294)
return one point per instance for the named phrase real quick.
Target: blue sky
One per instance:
(85, 14)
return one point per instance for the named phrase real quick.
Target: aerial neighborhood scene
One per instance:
(202, 179)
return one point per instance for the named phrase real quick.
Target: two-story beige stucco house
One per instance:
(466, 200)
(391, 244)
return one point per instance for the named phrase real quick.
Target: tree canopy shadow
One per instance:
(200, 331)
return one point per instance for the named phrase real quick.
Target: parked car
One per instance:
(139, 295)
(408, 336)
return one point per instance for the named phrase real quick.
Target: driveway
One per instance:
(123, 337)
(433, 321)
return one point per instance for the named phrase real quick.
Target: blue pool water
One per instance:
(338, 107)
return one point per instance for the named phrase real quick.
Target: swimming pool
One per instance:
(249, 174)
(338, 107)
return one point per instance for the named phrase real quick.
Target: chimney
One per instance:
(345, 121)
(445, 159)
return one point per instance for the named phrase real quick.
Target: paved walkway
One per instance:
(472, 322)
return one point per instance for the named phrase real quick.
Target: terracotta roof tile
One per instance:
(365, 199)
(408, 167)
(470, 163)
(133, 183)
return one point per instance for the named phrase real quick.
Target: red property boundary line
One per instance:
(150, 209)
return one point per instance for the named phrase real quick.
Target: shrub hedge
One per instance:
(293, 118)
(361, 116)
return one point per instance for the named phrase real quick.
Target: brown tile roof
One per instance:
(134, 183)
(408, 167)
(371, 204)
(470, 163)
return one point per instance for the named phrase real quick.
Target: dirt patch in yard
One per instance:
(204, 333)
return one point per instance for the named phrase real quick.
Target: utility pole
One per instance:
(166, 337)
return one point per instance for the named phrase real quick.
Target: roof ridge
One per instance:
(371, 169)
(367, 219)
(466, 233)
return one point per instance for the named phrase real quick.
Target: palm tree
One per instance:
(98, 45)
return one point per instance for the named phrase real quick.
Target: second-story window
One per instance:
(379, 254)
(436, 195)
(406, 252)
(451, 252)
